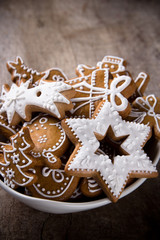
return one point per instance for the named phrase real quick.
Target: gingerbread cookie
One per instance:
(16, 160)
(7, 130)
(18, 102)
(90, 188)
(111, 175)
(53, 184)
(141, 82)
(21, 73)
(147, 111)
(49, 138)
(90, 90)
(115, 65)
(77, 194)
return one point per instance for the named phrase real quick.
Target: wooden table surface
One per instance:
(63, 34)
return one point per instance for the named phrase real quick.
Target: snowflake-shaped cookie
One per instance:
(111, 175)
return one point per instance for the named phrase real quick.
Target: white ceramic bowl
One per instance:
(68, 207)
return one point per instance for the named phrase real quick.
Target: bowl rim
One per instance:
(77, 206)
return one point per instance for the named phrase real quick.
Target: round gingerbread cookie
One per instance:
(53, 184)
(49, 138)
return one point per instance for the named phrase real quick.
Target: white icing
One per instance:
(4, 124)
(57, 174)
(59, 192)
(43, 75)
(81, 68)
(44, 96)
(148, 109)
(98, 93)
(113, 174)
(143, 77)
(48, 153)
(16, 159)
(114, 60)
(92, 185)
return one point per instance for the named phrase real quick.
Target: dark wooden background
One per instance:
(64, 33)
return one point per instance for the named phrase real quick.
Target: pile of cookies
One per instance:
(62, 139)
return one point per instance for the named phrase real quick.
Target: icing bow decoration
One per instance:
(114, 91)
(147, 111)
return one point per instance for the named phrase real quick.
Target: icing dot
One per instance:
(48, 192)
(67, 178)
(43, 189)
(2, 168)
(23, 179)
(58, 191)
(23, 161)
(35, 125)
(61, 188)
(8, 155)
(24, 75)
(53, 192)
(38, 185)
(65, 183)
(15, 141)
(22, 144)
(37, 128)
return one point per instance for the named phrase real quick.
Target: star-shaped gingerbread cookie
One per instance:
(111, 175)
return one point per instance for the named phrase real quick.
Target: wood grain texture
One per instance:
(63, 34)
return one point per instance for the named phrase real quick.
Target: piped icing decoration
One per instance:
(147, 111)
(16, 160)
(18, 102)
(111, 175)
(76, 194)
(90, 90)
(115, 65)
(83, 70)
(21, 73)
(90, 188)
(7, 130)
(49, 138)
(53, 184)
(141, 82)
